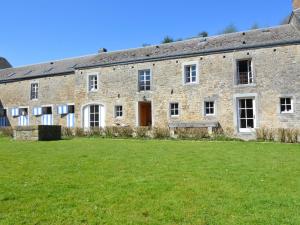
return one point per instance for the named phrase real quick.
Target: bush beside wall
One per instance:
(283, 135)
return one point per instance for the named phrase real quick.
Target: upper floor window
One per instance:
(93, 82)
(118, 111)
(174, 109)
(144, 80)
(244, 72)
(209, 108)
(190, 73)
(286, 105)
(34, 91)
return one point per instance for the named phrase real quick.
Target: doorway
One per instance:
(145, 114)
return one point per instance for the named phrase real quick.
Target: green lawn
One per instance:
(102, 181)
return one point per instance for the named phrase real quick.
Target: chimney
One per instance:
(102, 50)
(296, 4)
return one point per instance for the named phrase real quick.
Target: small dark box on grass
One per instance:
(37, 133)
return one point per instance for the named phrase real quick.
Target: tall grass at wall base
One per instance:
(284, 135)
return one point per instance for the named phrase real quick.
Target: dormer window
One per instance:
(93, 83)
(244, 72)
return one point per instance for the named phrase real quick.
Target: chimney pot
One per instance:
(102, 50)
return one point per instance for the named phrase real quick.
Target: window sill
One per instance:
(191, 84)
(245, 85)
(286, 113)
(93, 91)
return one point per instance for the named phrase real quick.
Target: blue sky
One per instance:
(37, 31)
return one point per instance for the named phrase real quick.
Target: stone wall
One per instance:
(37, 133)
(53, 91)
(276, 74)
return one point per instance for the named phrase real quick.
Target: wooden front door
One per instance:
(145, 114)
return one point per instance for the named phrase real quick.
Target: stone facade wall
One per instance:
(53, 91)
(276, 74)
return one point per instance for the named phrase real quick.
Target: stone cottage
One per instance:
(241, 81)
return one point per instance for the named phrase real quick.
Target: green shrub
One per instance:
(6, 132)
(265, 134)
(125, 132)
(161, 133)
(95, 132)
(142, 132)
(281, 135)
(109, 132)
(79, 132)
(291, 136)
(67, 132)
(192, 133)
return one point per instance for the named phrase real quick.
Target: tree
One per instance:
(231, 28)
(167, 39)
(203, 34)
(255, 26)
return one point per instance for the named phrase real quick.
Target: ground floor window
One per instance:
(286, 105)
(23, 117)
(209, 108)
(93, 116)
(3, 118)
(174, 109)
(118, 111)
(246, 110)
(47, 117)
(71, 116)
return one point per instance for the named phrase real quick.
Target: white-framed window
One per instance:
(71, 116)
(244, 72)
(209, 108)
(93, 82)
(174, 109)
(118, 111)
(34, 90)
(94, 116)
(190, 73)
(23, 117)
(144, 80)
(286, 105)
(47, 117)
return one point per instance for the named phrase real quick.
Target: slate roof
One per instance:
(4, 63)
(280, 35)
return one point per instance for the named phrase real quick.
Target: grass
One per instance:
(103, 181)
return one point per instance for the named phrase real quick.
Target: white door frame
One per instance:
(246, 130)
